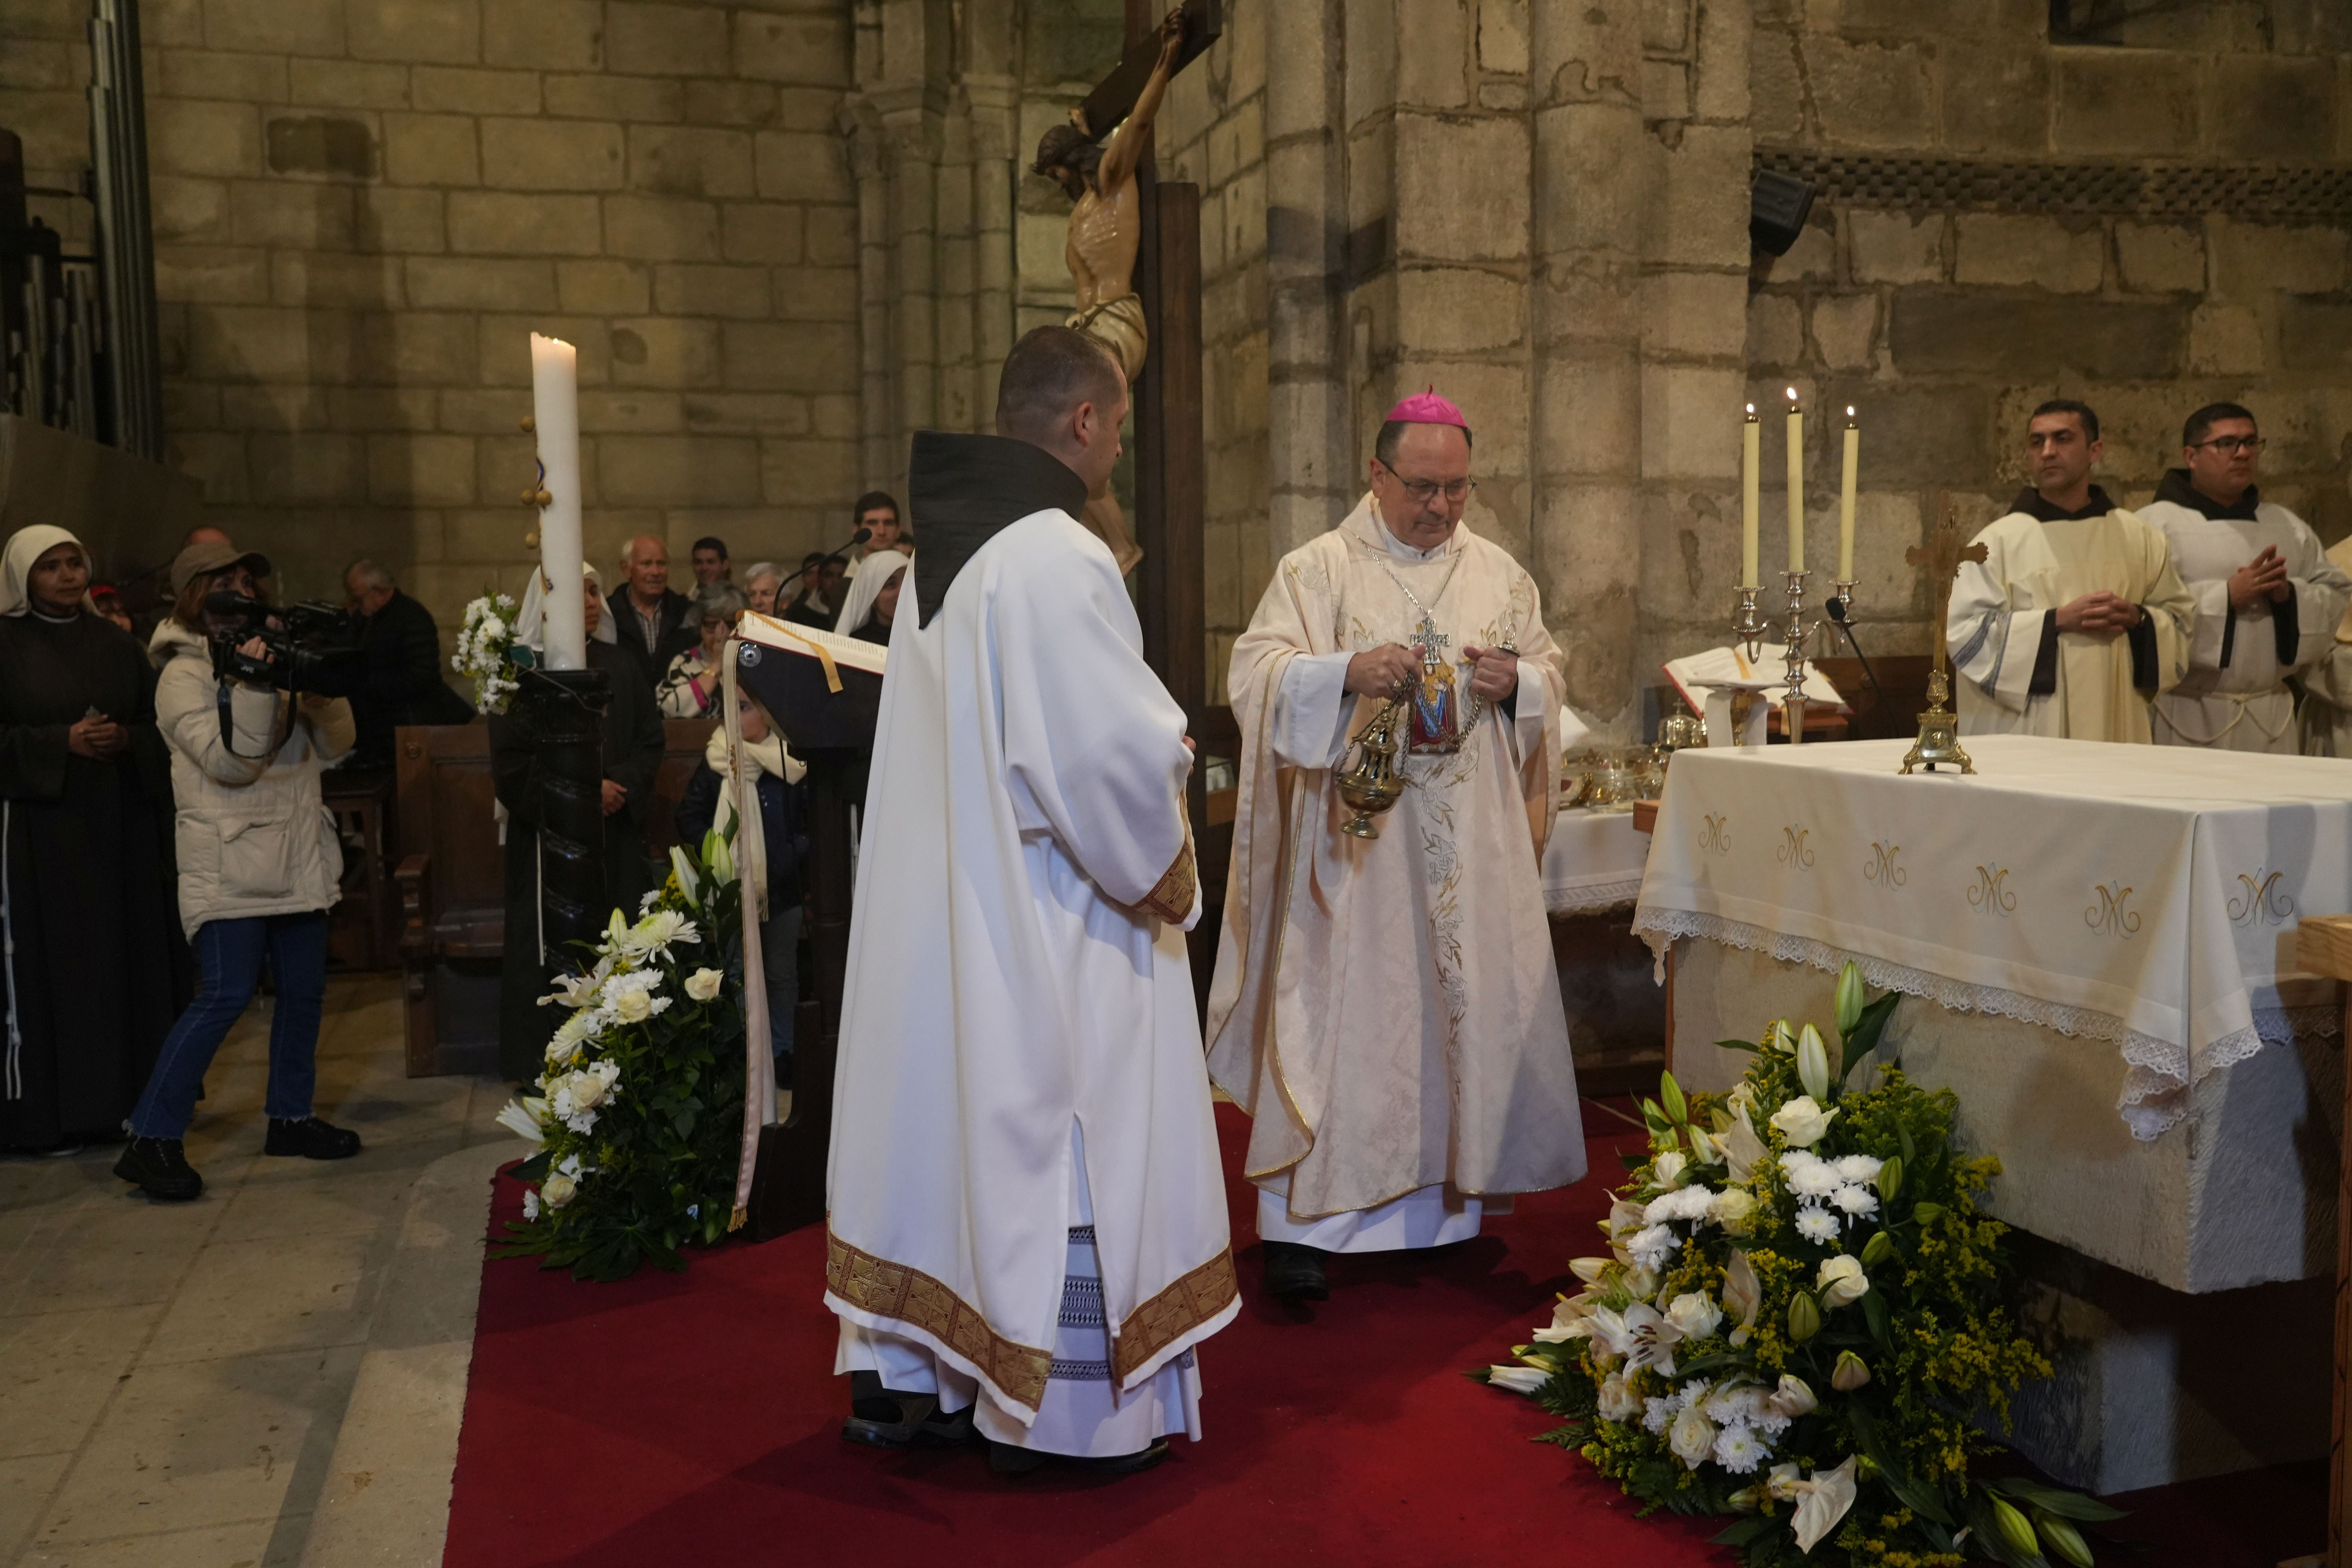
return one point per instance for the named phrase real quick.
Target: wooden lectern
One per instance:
(833, 733)
(2323, 945)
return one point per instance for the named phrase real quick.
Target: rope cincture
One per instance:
(15, 1063)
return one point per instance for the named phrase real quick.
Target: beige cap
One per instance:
(213, 555)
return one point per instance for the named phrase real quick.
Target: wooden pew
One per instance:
(450, 874)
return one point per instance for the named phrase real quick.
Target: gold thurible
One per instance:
(1373, 784)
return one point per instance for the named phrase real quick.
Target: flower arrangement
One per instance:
(485, 651)
(639, 1113)
(1801, 1319)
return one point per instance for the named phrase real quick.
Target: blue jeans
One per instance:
(229, 953)
(780, 941)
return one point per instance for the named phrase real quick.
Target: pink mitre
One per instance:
(1427, 409)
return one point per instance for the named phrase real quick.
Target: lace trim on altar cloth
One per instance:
(1594, 898)
(2156, 1091)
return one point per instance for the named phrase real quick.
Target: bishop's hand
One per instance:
(1496, 672)
(1383, 671)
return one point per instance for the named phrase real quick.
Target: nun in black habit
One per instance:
(95, 969)
(632, 747)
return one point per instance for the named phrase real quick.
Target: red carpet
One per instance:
(693, 1418)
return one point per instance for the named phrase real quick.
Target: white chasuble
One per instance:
(2235, 695)
(2018, 674)
(1020, 1058)
(1387, 1009)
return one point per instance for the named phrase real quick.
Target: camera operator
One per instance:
(259, 865)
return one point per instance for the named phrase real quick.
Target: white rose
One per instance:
(1667, 1168)
(1692, 1437)
(1802, 1121)
(632, 1006)
(1730, 1207)
(588, 1088)
(1841, 1282)
(557, 1190)
(1694, 1315)
(1618, 1403)
(703, 983)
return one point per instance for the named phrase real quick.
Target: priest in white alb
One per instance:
(1027, 1215)
(2268, 598)
(1387, 1009)
(2075, 620)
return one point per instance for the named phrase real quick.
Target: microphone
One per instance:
(1837, 608)
(860, 537)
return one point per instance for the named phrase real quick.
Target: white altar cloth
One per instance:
(1593, 862)
(2143, 895)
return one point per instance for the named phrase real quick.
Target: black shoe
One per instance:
(310, 1138)
(1007, 1460)
(160, 1167)
(1294, 1273)
(886, 1418)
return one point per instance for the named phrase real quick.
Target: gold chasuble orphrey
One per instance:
(1388, 1009)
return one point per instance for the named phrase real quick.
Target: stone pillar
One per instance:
(1594, 185)
(1311, 447)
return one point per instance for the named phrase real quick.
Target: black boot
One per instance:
(160, 1167)
(887, 1418)
(1294, 1273)
(310, 1138)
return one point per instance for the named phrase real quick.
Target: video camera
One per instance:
(308, 645)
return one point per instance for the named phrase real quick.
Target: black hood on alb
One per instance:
(962, 491)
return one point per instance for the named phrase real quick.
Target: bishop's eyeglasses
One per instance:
(1423, 492)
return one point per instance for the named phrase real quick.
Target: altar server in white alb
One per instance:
(2075, 619)
(1387, 1009)
(2268, 598)
(2327, 681)
(1027, 1230)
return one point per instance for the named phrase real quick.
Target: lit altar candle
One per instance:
(1796, 483)
(1750, 495)
(1845, 498)
(556, 416)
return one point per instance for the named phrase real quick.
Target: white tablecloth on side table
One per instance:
(1593, 862)
(2145, 896)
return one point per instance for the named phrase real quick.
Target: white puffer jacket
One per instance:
(254, 836)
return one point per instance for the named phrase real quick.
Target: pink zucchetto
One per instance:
(1427, 409)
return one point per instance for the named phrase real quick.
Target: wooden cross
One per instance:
(1942, 556)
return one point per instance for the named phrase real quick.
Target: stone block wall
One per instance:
(2006, 217)
(363, 206)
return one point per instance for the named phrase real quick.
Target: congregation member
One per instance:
(818, 601)
(2268, 598)
(1028, 1235)
(1388, 1010)
(870, 600)
(690, 687)
(708, 558)
(652, 623)
(762, 581)
(92, 979)
(878, 513)
(260, 864)
(630, 735)
(107, 600)
(401, 648)
(772, 771)
(2076, 619)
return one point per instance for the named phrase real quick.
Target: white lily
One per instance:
(1743, 1151)
(1828, 1496)
(521, 1118)
(683, 869)
(1793, 1399)
(1813, 1063)
(1743, 1295)
(1517, 1379)
(718, 857)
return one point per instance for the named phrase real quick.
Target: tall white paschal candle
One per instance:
(556, 416)
(1845, 498)
(1796, 483)
(1750, 495)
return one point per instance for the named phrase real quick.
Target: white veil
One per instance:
(859, 593)
(533, 614)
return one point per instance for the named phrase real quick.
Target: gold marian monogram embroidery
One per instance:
(1793, 852)
(2108, 916)
(2265, 901)
(1713, 837)
(1991, 895)
(1881, 867)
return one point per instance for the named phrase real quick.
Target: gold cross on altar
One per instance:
(1942, 556)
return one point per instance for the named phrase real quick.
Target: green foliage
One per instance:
(1758, 1245)
(640, 1111)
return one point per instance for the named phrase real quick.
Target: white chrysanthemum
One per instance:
(1859, 1168)
(1657, 1412)
(1811, 1178)
(1857, 1201)
(531, 1206)
(1651, 1247)
(1739, 1450)
(655, 931)
(1817, 1225)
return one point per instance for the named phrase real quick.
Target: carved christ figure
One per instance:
(1105, 229)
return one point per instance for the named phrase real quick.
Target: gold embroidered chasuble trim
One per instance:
(1171, 899)
(909, 1296)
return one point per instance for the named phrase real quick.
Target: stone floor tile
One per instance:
(116, 1252)
(199, 1444)
(245, 1297)
(246, 1544)
(26, 1484)
(58, 1369)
